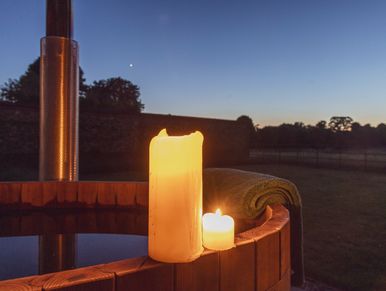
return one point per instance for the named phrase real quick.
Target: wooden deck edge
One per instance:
(260, 260)
(89, 194)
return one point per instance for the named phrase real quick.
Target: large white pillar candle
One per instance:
(218, 231)
(175, 197)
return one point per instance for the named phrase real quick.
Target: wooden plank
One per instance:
(285, 249)
(22, 284)
(142, 194)
(87, 193)
(68, 223)
(106, 195)
(10, 225)
(100, 285)
(267, 261)
(10, 193)
(82, 279)
(123, 266)
(237, 267)
(31, 224)
(258, 233)
(32, 194)
(106, 222)
(48, 223)
(280, 217)
(275, 222)
(284, 284)
(201, 274)
(67, 193)
(87, 222)
(18, 286)
(133, 222)
(125, 193)
(142, 221)
(151, 276)
(125, 222)
(35, 223)
(49, 193)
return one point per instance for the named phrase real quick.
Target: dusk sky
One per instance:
(276, 61)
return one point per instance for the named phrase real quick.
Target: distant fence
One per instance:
(361, 160)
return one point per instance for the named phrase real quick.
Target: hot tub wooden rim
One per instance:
(260, 260)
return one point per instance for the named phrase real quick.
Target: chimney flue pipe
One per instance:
(59, 20)
(59, 101)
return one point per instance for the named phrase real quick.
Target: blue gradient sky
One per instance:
(276, 61)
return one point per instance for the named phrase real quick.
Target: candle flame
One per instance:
(218, 212)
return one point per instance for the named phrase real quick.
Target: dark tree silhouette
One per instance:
(381, 133)
(340, 123)
(111, 94)
(355, 127)
(349, 134)
(248, 123)
(115, 94)
(25, 90)
(321, 124)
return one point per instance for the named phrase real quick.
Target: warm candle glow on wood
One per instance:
(218, 231)
(175, 197)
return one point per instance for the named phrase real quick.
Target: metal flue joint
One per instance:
(59, 86)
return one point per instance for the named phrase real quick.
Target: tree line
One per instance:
(120, 95)
(113, 94)
(340, 132)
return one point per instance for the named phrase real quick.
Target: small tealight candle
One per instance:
(218, 231)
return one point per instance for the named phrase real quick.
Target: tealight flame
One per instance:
(218, 212)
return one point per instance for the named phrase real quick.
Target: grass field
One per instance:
(346, 159)
(344, 224)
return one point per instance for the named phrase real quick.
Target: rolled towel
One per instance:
(245, 195)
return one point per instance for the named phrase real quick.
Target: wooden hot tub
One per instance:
(260, 261)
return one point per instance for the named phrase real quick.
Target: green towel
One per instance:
(245, 195)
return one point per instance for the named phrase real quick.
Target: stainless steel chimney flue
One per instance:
(59, 87)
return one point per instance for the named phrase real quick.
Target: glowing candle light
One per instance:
(218, 231)
(175, 197)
